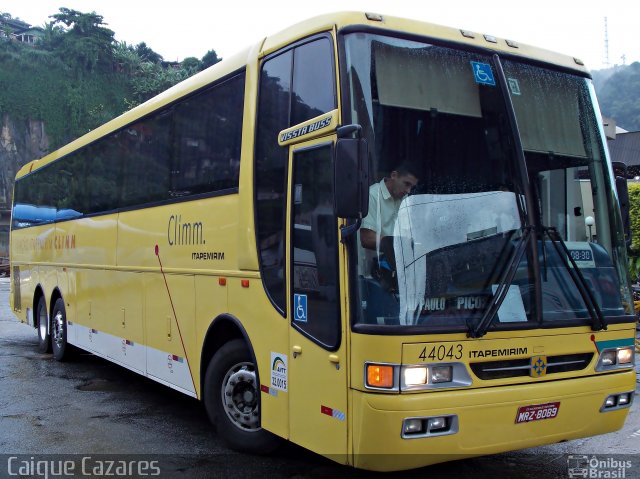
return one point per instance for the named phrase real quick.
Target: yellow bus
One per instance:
(212, 239)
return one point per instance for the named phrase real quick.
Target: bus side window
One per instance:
(271, 173)
(313, 81)
(314, 248)
(207, 140)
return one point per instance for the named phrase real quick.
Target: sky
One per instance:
(189, 28)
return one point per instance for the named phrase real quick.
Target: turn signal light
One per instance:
(379, 376)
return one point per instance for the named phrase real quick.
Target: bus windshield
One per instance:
(473, 174)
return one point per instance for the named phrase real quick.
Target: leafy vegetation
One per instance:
(634, 213)
(78, 76)
(618, 91)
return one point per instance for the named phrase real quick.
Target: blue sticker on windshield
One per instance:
(483, 73)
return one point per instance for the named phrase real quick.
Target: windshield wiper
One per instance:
(500, 294)
(599, 323)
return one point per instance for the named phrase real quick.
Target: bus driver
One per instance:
(384, 201)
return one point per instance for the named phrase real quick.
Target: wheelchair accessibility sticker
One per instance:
(483, 73)
(300, 307)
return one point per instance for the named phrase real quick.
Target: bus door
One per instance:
(317, 361)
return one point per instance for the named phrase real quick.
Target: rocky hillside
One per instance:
(20, 142)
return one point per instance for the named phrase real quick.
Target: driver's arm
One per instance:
(368, 238)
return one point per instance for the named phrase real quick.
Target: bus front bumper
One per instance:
(482, 421)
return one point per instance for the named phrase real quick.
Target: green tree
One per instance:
(5, 31)
(126, 58)
(146, 54)
(86, 41)
(634, 214)
(620, 97)
(210, 58)
(152, 79)
(191, 65)
(53, 37)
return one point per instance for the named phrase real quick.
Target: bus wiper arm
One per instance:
(599, 323)
(503, 287)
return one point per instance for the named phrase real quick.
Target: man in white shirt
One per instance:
(384, 201)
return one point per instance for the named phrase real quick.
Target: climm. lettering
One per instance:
(184, 233)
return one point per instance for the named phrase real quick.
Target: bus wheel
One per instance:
(232, 400)
(59, 332)
(44, 340)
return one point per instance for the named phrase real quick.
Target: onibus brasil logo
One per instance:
(593, 467)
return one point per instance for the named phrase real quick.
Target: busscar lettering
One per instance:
(208, 256)
(303, 130)
(497, 353)
(180, 233)
(57, 242)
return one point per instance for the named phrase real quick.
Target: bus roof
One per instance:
(373, 21)
(340, 21)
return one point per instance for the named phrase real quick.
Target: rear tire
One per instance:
(61, 349)
(232, 400)
(42, 324)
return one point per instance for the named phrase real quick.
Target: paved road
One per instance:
(92, 408)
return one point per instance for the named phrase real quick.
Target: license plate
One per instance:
(537, 412)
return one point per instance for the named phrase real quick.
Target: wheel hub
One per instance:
(240, 396)
(58, 328)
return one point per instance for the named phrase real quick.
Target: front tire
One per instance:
(42, 323)
(60, 347)
(232, 400)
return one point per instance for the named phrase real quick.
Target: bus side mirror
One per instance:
(351, 178)
(623, 199)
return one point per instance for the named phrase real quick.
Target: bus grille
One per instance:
(522, 367)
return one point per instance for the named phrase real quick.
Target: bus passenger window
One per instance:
(207, 140)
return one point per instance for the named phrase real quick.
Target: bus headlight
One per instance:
(616, 358)
(421, 375)
(608, 358)
(625, 356)
(416, 376)
(440, 374)
(434, 376)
